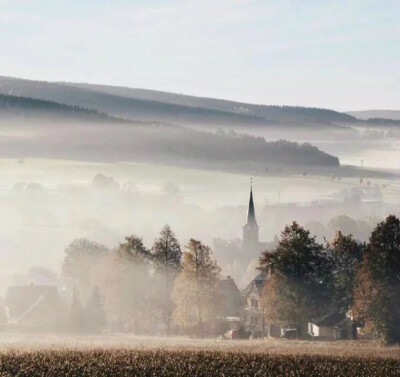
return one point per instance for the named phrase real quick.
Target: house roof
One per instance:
(257, 283)
(230, 297)
(20, 299)
(330, 320)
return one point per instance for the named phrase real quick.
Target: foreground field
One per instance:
(160, 363)
(124, 355)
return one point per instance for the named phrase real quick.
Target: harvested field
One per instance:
(188, 363)
(146, 356)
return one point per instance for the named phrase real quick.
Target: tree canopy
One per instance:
(195, 289)
(299, 285)
(377, 291)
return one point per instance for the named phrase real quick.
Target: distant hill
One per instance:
(382, 114)
(150, 105)
(281, 114)
(90, 135)
(45, 129)
(122, 107)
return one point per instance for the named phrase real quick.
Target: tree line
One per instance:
(307, 279)
(164, 289)
(158, 290)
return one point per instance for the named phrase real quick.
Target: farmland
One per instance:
(124, 355)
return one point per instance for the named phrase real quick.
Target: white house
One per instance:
(332, 326)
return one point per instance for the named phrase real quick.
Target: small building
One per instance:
(33, 307)
(253, 315)
(231, 300)
(332, 326)
(231, 305)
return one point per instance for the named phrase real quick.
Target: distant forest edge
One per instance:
(20, 107)
(278, 114)
(152, 105)
(152, 141)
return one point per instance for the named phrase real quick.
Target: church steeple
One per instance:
(251, 214)
(250, 230)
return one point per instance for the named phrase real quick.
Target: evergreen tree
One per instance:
(133, 247)
(345, 252)
(166, 250)
(377, 291)
(195, 289)
(300, 284)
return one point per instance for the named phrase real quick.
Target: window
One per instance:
(254, 303)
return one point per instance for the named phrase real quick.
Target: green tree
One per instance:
(195, 292)
(166, 251)
(282, 304)
(377, 291)
(133, 247)
(166, 254)
(345, 252)
(301, 273)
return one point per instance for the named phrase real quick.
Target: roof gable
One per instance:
(330, 320)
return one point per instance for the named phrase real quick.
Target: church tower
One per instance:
(250, 230)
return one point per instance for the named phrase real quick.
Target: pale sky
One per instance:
(340, 54)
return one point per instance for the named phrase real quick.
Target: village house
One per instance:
(332, 326)
(231, 300)
(33, 307)
(253, 315)
(231, 305)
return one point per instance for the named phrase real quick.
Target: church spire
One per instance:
(251, 214)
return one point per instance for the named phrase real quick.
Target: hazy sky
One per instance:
(341, 54)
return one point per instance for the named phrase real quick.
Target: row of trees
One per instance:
(144, 290)
(163, 289)
(306, 280)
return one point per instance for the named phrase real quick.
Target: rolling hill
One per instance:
(122, 107)
(61, 131)
(279, 114)
(150, 105)
(32, 127)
